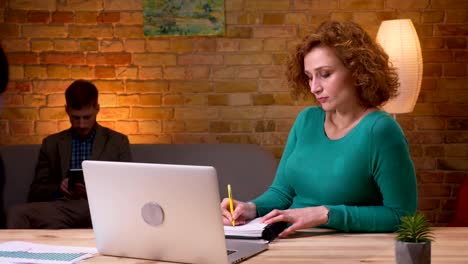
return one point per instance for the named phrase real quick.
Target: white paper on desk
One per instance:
(252, 229)
(25, 252)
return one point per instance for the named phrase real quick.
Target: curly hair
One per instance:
(376, 80)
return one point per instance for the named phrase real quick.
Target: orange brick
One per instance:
(50, 86)
(19, 113)
(432, 43)
(104, 72)
(15, 16)
(66, 45)
(16, 72)
(217, 99)
(196, 112)
(13, 45)
(134, 45)
(197, 72)
(456, 16)
(250, 45)
(181, 45)
(432, 69)
(456, 43)
(204, 45)
(109, 86)
(34, 72)
(452, 4)
(46, 127)
(273, 18)
(461, 56)
(283, 99)
(362, 4)
(267, 5)
(239, 32)
(108, 18)
(86, 18)
(122, 5)
(89, 45)
(174, 73)
(13, 100)
(79, 5)
(197, 126)
(150, 73)
(173, 99)
(44, 31)
(131, 18)
(41, 45)
(153, 59)
(173, 126)
(223, 72)
(152, 113)
(108, 99)
(241, 112)
(22, 58)
(315, 5)
(227, 45)
(247, 72)
(58, 72)
(155, 45)
(62, 58)
(190, 86)
(239, 99)
(57, 99)
(247, 59)
(220, 127)
(19, 87)
(451, 30)
(271, 71)
(284, 31)
(108, 58)
(121, 31)
(403, 4)
(146, 87)
(59, 17)
(128, 100)
(272, 85)
(38, 17)
(265, 126)
(195, 99)
(454, 69)
(200, 59)
(126, 72)
(250, 18)
(34, 100)
(263, 99)
(150, 139)
(235, 86)
(234, 5)
(127, 127)
(33, 5)
(81, 72)
(22, 127)
(52, 113)
(100, 31)
(437, 56)
(114, 113)
(433, 16)
(111, 45)
(150, 127)
(150, 99)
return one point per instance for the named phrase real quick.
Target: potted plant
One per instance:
(413, 240)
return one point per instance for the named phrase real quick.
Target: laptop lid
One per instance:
(159, 212)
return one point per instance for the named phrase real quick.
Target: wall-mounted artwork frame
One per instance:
(183, 17)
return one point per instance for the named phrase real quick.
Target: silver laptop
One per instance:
(160, 212)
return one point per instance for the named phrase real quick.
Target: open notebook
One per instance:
(255, 230)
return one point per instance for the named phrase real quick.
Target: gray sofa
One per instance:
(248, 168)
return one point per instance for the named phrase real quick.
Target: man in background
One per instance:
(53, 204)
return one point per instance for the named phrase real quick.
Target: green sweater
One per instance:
(366, 178)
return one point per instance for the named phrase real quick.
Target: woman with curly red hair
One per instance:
(346, 164)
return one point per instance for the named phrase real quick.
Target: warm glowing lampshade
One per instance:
(399, 39)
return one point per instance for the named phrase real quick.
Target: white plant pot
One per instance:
(412, 253)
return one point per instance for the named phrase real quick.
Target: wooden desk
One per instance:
(451, 246)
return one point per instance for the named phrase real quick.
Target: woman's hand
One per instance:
(243, 212)
(299, 218)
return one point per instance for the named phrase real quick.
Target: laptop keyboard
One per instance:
(229, 252)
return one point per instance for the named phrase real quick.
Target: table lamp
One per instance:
(400, 41)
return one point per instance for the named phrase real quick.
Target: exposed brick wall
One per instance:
(225, 89)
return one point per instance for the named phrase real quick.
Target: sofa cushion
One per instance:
(247, 167)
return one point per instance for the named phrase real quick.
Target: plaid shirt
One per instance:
(81, 150)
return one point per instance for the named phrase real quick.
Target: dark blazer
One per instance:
(54, 158)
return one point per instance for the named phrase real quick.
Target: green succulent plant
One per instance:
(414, 228)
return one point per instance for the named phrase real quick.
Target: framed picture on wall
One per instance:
(183, 17)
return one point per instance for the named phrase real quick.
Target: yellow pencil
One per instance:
(231, 204)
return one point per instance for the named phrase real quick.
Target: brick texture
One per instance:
(226, 89)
